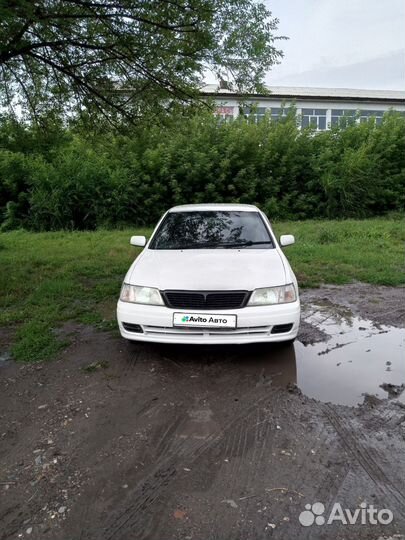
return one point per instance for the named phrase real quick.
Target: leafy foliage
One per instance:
(128, 58)
(66, 179)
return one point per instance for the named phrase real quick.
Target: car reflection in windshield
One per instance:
(212, 230)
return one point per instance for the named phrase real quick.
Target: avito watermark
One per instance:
(364, 514)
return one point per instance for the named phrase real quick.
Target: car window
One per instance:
(212, 230)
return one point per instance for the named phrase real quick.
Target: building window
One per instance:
(366, 115)
(371, 113)
(279, 112)
(316, 118)
(343, 117)
(255, 113)
(225, 113)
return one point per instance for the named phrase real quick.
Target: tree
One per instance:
(129, 57)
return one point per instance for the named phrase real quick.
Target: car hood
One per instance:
(208, 269)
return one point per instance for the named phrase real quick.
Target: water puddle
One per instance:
(355, 358)
(358, 358)
(5, 356)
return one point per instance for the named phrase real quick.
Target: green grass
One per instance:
(49, 278)
(339, 252)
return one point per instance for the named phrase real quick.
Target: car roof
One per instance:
(214, 207)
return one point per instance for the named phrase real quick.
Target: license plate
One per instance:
(207, 320)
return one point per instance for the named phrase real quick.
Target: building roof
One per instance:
(297, 92)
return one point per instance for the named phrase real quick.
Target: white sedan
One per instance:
(210, 274)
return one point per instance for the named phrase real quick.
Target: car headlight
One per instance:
(273, 295)
(140, 295)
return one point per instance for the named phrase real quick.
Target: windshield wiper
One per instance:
(215, 245)
(197, 246)
(231, 244)
(186, 246)
(246, 244)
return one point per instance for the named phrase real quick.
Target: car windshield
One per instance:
(212, 230)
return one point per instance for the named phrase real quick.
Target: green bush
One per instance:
(67, 179)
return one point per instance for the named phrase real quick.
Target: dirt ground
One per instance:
(120, 441)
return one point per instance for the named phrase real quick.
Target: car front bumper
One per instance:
(254, 324)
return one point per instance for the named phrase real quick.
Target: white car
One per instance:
(210, 274)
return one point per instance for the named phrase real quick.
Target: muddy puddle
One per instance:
(356, 359)
(338, 358)
(359, 357)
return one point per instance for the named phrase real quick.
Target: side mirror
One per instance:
(139, 241)
(287, 240)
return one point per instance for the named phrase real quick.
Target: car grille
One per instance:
(231, 333)
(206, 299)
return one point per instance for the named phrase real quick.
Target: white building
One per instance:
(318, 107)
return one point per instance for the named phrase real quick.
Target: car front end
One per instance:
(210, 274)
(183, 317)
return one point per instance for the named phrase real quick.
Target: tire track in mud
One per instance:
(238, 479)
(250, 481)
(236, 451)
(228, 445)
(148, 492)
(332, 486)
(332, 483)
(366, 458)
(165, 471)
(162, 473)
(136, 358)
(263, 462)
(311, 444)
(263, 445)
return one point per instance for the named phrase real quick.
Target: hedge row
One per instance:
(61, 178)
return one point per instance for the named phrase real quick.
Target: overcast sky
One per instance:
(341, 43)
